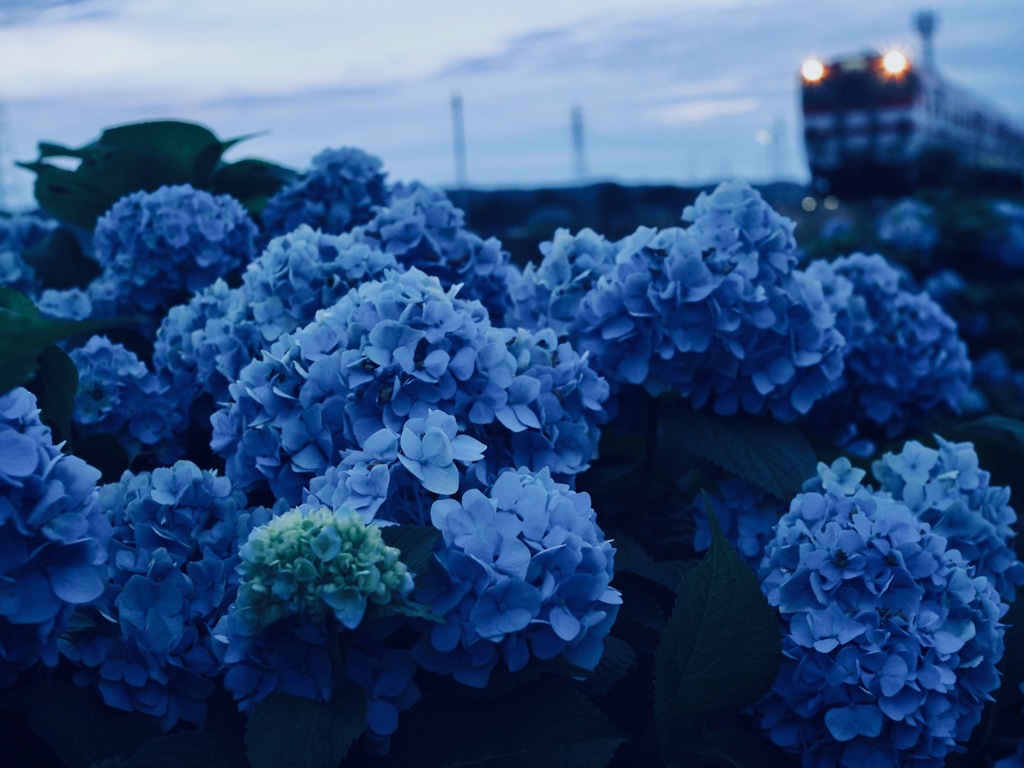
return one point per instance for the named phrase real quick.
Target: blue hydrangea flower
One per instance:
(735, 218)
(389, 351)
(53, 537)
(340, 191)
(946, 488)
(524, 572)
(716, 312)
(408, 471)
(430, 447)
(555, 406)
(18, 233)
(118, 395)
(908, 226)
(66, 304)
(890, 642)
(158, 247)
(422, 228)
(386, 676)
(548, 294)
(203, 345)
(903, 359)
(146, 643)
(747, 514)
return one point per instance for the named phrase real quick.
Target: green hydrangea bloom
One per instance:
(317, 562)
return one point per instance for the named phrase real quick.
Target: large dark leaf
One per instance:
(188, 749)
(55, 386)
(415, 542)
(631, 557)
(536, 727)
(721, 645)
(59, 262)
(186, 153)
(291, 732)
(734, 748)
(251, 181)
(125, 159)
(775, 456)
(25, 334)
(79, 727)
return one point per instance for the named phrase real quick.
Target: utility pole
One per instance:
(925, 22)
(579, 158)
(459, 137)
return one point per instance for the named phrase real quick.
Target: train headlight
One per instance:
(895, 63)
(813, 70)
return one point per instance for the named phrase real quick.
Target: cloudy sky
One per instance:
(681, 92)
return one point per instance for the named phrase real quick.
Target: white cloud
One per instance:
(700, 110)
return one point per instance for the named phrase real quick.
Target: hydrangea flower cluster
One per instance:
(406, 471)
(524, 571)
(340, 191)
(391, 350)
(203, 345)
(548, 295)
(158, 247)
(946, 488)
(146, 643)
(909, 226)
(890, 641)
(200, 343)
(747, 514)
(65, 303)
(53, 537)
(293, 657)
(716, 312)
(302, 571)
(315, 562)
(903, 357)
(423, 229)
(19, 233)
(118, 395)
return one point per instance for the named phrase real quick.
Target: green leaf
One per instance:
(81, 196)
(25, 334)
(55, 386)
(415, 542)
(775, 456)
(736, 748)
(535, 727)
(721, 645)
(291, 732)
(187, 153)
(631, 557)
(251, 181)
(125, 159)
(79, 727)
(188, 749)
(59, 262)
(617, 661)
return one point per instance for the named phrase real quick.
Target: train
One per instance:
(880, 123)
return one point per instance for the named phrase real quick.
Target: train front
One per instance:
(858, 117)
